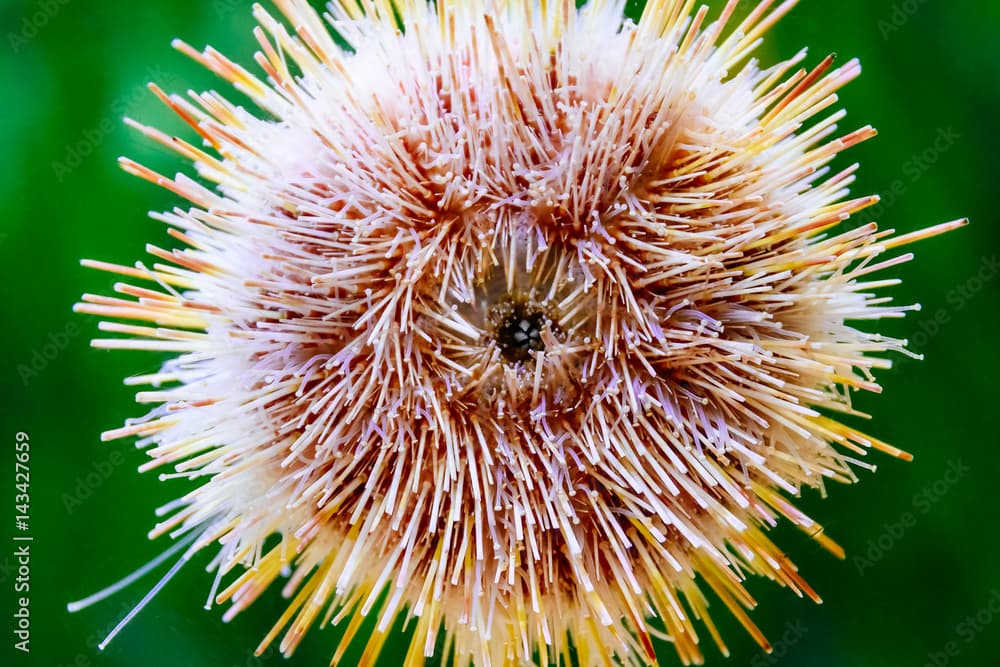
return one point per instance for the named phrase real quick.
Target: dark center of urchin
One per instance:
(517, 324)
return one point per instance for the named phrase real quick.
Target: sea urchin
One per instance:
(520, 320)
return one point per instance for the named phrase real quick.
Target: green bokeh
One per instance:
(932, 67)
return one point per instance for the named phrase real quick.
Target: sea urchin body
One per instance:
(518, 320)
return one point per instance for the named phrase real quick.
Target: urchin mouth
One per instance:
(517, 325)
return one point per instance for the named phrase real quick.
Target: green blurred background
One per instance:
(922, 538)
